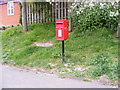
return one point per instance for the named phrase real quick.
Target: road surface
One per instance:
(13, 77)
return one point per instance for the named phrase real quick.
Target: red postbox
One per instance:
(61, 29)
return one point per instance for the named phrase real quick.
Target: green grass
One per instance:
(97, 50)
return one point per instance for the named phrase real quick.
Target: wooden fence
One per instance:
(45, 12)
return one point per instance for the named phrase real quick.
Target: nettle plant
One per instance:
(90, 17)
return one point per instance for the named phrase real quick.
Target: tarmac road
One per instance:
(13, 77)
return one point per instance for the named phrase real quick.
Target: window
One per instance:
(10, 8)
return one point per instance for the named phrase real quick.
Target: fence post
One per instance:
(69, 16)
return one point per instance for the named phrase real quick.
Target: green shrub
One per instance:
(93, 17)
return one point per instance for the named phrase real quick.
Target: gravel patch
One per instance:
(47, 44)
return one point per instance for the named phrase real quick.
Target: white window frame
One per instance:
(10, 8)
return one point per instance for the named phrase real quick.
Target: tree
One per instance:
(24, 16)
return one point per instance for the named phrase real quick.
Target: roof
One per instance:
(2, 2)
(5, 1)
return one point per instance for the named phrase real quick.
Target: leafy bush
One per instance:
(90, 18)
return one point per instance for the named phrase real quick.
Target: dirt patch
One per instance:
(44, 44)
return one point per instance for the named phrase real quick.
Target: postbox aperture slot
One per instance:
(59, 24)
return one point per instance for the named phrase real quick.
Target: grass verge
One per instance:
(88, 55)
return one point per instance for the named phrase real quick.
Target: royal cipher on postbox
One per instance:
(61, 29)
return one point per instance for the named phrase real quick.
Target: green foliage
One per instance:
(26, 51)
(20, 18)
(78, 74)
(100, 60)
(103, 64)
(13, 31)
(91, 18)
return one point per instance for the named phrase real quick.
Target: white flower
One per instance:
(114, 13)
(102, 5)
(91, 4)
(111, 13)
(78, 12)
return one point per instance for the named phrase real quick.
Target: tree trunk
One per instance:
(24, 16)
(118, 31)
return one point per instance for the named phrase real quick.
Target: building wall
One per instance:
(6, 19)
(1, 14)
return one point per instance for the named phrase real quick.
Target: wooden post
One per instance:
(37, 13)
(29, 14)
(65, 15)
(27, 8)
(53, 12)
(62, 10)
(58, 10)
(118, 31)
(41, 13)
(35, 19)
(46, 12)
(69, 16)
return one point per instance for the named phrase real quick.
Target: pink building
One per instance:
(9, 13)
